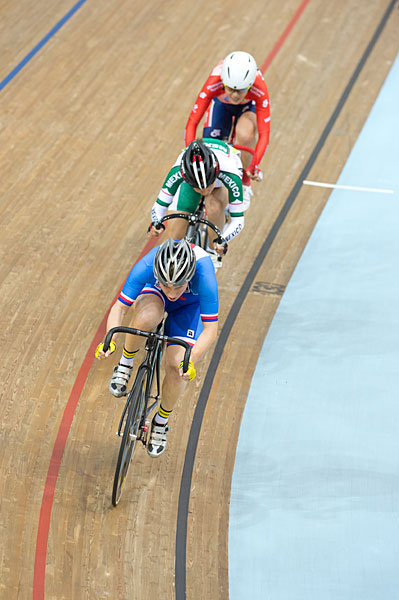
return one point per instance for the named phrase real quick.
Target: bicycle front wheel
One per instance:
(131, 432)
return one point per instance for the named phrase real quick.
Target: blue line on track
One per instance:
(40, 45)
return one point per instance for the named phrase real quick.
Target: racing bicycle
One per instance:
(134, 423)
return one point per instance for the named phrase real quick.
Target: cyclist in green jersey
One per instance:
(209, 168)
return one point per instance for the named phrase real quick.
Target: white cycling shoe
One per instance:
(158, 440)
(119, 380)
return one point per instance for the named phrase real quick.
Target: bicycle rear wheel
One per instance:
(131, 432)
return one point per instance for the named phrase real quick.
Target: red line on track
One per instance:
(284, 35)
(66, 422)
(58, 451)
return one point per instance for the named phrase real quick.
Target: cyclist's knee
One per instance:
(217, 200)
(173, 357)
(245, 132)
(147, 312)
(246, 138)
(176, 229)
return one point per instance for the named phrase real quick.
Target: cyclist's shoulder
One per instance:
(204, 267)
(219, 147)
(145, 263)
(258, 91)
(214, 81)
(198, 252)
(174, 174)
(141, 272)
(228, 157)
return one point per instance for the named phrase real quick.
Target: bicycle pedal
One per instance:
(133, 436)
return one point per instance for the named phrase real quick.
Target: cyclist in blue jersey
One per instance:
(177, 278)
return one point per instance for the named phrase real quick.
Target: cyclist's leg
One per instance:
(183, 322)
(215, 204)
(176, 228)
(172, 388)
(186, 201)
(173, 385)
(246, 135)
(148, 311)
(246, 130)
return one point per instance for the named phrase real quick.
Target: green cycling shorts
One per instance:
(188, 199)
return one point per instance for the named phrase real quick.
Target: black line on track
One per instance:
(184, 496)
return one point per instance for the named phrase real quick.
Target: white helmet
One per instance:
(239, 70)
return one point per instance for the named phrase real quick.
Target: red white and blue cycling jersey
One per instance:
(214, 88)
(198, 304)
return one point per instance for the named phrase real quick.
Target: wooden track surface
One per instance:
(88, 130)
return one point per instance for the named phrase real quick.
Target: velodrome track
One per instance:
(90, 123)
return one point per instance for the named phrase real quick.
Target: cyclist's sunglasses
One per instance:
(240, 91)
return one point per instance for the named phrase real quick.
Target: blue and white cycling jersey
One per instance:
(202, 289)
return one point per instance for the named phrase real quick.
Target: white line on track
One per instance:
(347, 187)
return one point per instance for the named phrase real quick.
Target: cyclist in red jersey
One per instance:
(235, 94)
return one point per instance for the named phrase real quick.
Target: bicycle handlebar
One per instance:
(148, 334)
(193, 218)
(244, 148)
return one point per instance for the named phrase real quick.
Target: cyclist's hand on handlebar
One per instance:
(254, 173)
(220, 246)
(156, 228)
(100, 354)
(190, 373)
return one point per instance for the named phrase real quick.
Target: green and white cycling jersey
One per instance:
(183, 197)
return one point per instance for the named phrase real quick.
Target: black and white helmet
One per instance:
(199, 165)
(174, 262)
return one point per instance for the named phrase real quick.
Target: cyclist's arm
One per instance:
(116, 316)
(263, 124)
(168, 191)
(115, 319)
(233, 183)
(206, 286)
(205, 339)
(232, 229)
(141, 274)
(211, 88)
